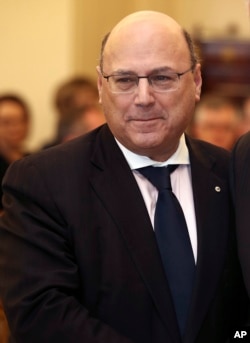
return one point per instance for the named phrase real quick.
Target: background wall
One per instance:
(43, 42)
(36, 53)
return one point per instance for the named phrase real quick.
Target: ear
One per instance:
(99, 83)
(197, 81)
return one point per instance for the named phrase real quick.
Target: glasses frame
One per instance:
(138, 77)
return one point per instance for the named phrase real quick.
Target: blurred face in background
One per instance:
(14, 124)
(85, 97)
(219, 126)
(89, 119)
(245, 127)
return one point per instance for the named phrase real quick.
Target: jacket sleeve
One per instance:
(39, 280)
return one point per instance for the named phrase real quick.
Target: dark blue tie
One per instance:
(173, 241)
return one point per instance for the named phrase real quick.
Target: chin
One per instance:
(145, 147)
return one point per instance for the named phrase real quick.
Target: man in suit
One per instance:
(79, 257)
(241, 193)
(240, 182)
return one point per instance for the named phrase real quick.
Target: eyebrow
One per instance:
(131, 72)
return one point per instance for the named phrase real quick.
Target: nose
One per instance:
(144, 94)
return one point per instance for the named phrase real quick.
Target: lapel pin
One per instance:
(217, 189)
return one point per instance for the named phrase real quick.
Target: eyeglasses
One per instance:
(127, 83)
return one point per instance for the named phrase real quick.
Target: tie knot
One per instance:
(159, 176)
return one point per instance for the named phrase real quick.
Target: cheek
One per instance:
(115, 107)
(183, 110)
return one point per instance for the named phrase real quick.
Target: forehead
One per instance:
(9, 109)
(148, 44)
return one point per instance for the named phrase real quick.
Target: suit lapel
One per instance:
(116, 186)
(210, 193)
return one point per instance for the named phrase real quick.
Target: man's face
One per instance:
(148, 122)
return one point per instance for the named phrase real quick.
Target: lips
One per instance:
(147, 125)
(145, 119)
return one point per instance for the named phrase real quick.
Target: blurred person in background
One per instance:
(240, 175)
(245, 127)
(83, 121)
(71, 99)
(14, 129)
(217, 120)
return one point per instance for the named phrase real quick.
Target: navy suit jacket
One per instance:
(241, 190)
(78, 256)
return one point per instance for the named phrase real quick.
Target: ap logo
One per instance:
(240, 334)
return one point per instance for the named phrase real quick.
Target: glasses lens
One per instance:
(123, 83)
(164, 82)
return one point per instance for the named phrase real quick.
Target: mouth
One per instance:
(146, 125)
(146, 120)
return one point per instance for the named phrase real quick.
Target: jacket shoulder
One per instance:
(205, 150)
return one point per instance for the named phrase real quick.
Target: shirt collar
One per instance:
(135, 161)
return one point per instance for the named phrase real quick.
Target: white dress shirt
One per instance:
(180, 180)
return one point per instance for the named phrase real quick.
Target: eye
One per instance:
(162, 78)
(124, 82)
(125, 79)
